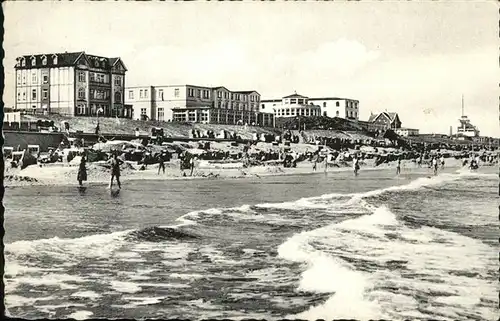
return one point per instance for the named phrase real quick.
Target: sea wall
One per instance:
(23, 139)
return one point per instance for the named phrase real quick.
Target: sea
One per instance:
(332, 245)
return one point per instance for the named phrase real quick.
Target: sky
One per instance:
(416, 59)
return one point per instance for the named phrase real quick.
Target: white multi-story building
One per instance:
(73, 84)
(197, 104)
(328, 106)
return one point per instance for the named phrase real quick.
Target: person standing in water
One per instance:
(115, 171)
(82, 171)
(398, 167)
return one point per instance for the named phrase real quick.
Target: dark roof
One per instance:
(270, 100)
(295, 96)
(65, 59)
(332, 98)
(392, 116)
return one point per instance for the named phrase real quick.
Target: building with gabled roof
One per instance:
(71, 84)
(384, 120)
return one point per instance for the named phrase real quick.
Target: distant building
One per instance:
(328, 106)
(384, 121)
(407, 132)
(197, 104)
(71, 84)
(466, 129)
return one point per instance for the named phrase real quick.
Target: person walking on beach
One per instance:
(315, 163)
(115, 171)
(82, 171)
(162, 163)
(191, 165)
(435, 165)
(441, 160)
(355, 164)
(398, 167)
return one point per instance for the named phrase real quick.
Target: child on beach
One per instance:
(115, 171)
(82, 171)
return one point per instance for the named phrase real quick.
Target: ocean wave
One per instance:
(376, 267)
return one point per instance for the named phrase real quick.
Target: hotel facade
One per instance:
(71, 84)
(298, 105)
(197, 104)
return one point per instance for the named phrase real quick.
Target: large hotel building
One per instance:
(298, 105)
(198, 104)
(72, 84)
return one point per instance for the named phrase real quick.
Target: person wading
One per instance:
(82, 171)
(435, 165)
(115, 171)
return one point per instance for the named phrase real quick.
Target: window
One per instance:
(337, 113)
(300, 101)
(141, 94)
(18, 96)
(198, 93)
(45, 94)
(218, 104)
(81, 93)
(24, 95)
(45, 79)
(160, 94)
(263, 106)
(143, 111)
(130, 94)
(226, 95)
(176, 92)
(18, 78)
(81, 76)
(24, 79)
(324, 105)
(55, 60)
(337, 104)
(118, 97)
(33, 61)
(161, 114)
(205, 94)
(33, 94)
(219, 94)
(23, 62)
(96, 63)
(44, 61)
(145, 93)
(288, 111)
(191, 92)
(33, 106)
(33, 78)
(118, 81)
(232, 96)
(80, 109)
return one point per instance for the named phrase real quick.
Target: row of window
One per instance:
(236, 96)
(199, 92)
(44, 61)
(21, 95)
(234, 105)
(298, 112)
(34, 78)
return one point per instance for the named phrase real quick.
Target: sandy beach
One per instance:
(66, 173)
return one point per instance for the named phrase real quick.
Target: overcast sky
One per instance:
(416, 59)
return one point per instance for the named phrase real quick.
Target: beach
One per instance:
(66, 173)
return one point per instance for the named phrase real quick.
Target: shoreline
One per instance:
(65, 174)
